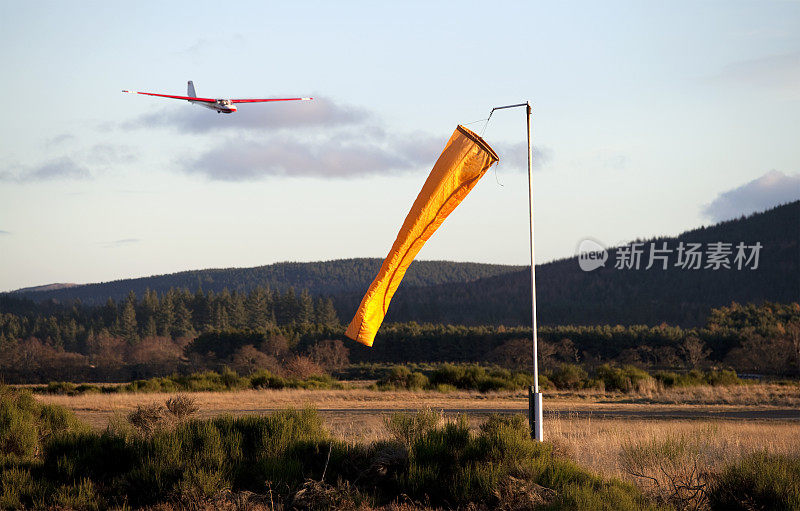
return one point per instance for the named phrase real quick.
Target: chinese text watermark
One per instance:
(660, 255)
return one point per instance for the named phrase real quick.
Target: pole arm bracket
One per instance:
(508, 106)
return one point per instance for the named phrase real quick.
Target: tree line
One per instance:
(290, 333)
(174, 314)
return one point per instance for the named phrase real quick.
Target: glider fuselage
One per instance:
(222, 106)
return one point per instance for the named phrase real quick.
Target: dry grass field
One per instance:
(358, 403)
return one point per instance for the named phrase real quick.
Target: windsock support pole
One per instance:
(534, 396)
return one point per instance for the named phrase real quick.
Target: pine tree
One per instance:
(128, 324)
(165, 317)
(237, 312)
(150, 328)
(256, 306)
(305, 308)
(183, 321)
(201, 310)
(286, 307)
(325, 313)
(109, 313)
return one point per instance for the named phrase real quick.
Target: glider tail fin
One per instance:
(190, 92)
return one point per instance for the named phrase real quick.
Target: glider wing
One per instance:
(187, 98)
(270, 99)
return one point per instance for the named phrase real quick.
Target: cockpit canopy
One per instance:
(224, 102)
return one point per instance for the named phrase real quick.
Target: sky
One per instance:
(649, 118)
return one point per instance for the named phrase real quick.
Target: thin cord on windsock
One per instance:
(497, 180)
(483, 130)
(475, 122)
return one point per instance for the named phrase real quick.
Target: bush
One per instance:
(406, 428)
(198, 458)
(401, 377)
(624, 379)
(569, 376)
(25, 424)
(181, 406)
(724, 377)
(671, 469)
(475, 377)
(758, 481)
(697, 377)
(192, 463)
(17, 488)
(266, 380)
(450, 466)
(146, 418)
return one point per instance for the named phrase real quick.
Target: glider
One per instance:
(222, 106)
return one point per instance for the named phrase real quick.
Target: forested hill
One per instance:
(478, 294)
(319, 278)
(607, 295)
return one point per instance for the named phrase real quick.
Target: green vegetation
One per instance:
(416, 377)
(695, 377)
(758, 481)
(450, 465)
(319, 278)
(287, 334)
(447, 377)
(290, 455)
(163, 457)
(208, 381)
(25, 424)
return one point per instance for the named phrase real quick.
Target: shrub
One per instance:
(696, 377)
(451, 467)
(302, 367)
(569, 376)
(723, 377)
(401, 377)
(146, 418)
(406, 428)
(758, 481)
(196, 461)
(266, 380)
(624, 379)
(61, 387)
(17, 488)
(330, 354)
(181, 406)
(78, 495)
(671, 469)
(25, 424)
(475, 377)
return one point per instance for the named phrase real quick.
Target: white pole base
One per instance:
(535, 413)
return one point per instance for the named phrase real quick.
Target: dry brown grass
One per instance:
(759, 394)
(598, 443)
(750, 395)
(351, 412)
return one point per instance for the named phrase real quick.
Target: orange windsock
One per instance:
(465, 159)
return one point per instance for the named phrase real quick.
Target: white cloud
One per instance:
(79, 165)
(778, 73)
(515, 156)
(188, 118)
(322, 157)
(58, 168)
(121, 243)
(771, 189)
